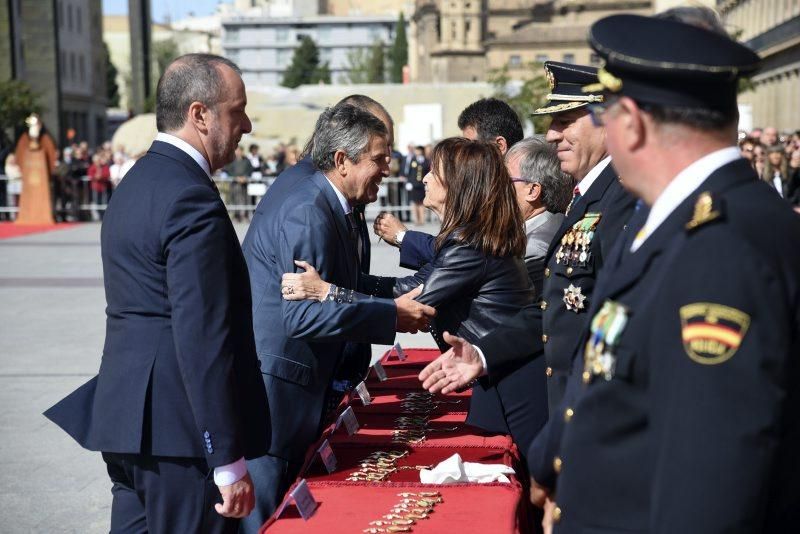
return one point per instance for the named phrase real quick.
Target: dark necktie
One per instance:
(352, 227)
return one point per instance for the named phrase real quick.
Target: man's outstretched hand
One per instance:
(454, 369)
(413, 316)
(387, 226)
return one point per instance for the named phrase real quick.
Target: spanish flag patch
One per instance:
(712, 333)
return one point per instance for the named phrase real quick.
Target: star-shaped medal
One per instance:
(574, 298)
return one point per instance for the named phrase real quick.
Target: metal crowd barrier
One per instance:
(74, 200)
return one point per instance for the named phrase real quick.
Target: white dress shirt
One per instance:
(177, 142)
(224, 475)
(591, 176)
(688, 180)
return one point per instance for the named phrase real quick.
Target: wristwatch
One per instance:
(398, 237)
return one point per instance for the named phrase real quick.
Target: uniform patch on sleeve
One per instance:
(712, 333)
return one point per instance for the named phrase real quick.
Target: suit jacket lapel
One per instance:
(576, 213)
(337, 214)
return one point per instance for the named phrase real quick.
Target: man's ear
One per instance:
(501, 143)
(339, 161)
(631, 123)
(534, 192)
(199, 116)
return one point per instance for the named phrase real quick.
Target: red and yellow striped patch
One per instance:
(712, 333)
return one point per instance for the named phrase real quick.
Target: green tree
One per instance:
(529, 96)
(366, 65)
(398, 55)
(112, 88)
(305, 67)
(17, 101)
(376, 65)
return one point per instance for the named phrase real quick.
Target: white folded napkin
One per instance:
(454, 469)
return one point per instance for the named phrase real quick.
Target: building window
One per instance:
(569, 58)
(69, 17)
(78, 21)
(594, 59)
(284, 56)
(453, 30)
(72, 66)
(282, 35)
(232, 35)
(324, 34)
(541, 58)
(467, 26)
(515, 61)
(82, 64)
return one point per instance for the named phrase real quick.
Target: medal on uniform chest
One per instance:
(604, 333)
(576, 243)
(574, 298)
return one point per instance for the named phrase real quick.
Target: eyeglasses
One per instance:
(597, 110)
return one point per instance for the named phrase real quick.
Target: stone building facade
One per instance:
(771, 28)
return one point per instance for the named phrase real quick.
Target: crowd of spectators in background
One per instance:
(84, 180)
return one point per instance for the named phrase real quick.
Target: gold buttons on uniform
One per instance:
(568, 413)
(547, 272)
(556, 514)
(543, 305)
(557, 463)
(549, 371)
(587, 376)
(544, 338)
(569, 271)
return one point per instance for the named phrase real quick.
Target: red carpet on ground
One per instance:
(9, 230)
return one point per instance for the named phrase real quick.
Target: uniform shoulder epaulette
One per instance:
(707, 208)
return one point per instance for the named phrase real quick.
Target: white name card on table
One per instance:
(348, 417)
(380, 372)
(303, 499)
(363, 394)
(401, 354)
(328, 458)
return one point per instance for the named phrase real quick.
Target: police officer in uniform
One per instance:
(599, 210)
(682, 413)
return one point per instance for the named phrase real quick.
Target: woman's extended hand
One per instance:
(304, 286)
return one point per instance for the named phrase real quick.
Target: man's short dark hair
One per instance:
(189, 78)
(343, 127)
(491, 118)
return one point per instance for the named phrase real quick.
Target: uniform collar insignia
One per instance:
(706, 209)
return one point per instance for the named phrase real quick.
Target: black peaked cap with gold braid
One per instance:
(670, 63)
(566, 83)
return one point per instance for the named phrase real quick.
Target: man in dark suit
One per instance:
(179, 393)
(488, 119)
(300, 344)
(682, 413)
(357, 356)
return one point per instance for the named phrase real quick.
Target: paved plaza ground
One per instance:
(51, 338)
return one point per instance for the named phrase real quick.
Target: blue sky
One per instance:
(176, 9)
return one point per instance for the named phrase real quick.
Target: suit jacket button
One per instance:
(547, 272)
(543, 305)
(568, 413)
(549, 371)
(206, 434)
(556, 514)
(544, 338)
(557, 463)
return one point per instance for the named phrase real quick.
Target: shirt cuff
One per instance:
(225, 475)
(483, 360)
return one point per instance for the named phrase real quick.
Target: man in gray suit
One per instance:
(301, 344)
(543, 192)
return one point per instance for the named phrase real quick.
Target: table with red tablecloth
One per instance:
(347, 503)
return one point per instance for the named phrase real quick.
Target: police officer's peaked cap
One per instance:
(666, 62)
(566, 87)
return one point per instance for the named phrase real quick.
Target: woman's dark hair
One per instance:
(480, 206)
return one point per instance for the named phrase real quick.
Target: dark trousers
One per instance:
(164, 495)
(272, 477)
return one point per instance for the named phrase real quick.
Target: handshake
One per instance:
(412, 316)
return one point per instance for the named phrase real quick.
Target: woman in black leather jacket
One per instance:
(476, 281)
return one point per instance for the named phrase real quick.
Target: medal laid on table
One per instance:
(576, 243)
(604, 333)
